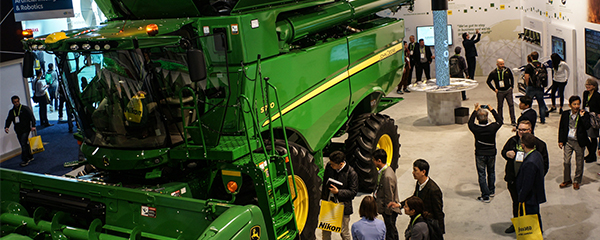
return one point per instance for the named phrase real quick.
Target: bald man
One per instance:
(503, 83)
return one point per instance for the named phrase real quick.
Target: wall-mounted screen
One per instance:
(592, 52)
(426, 33)
(558, 47)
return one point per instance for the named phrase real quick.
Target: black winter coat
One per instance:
(347, 192)
(511, 145)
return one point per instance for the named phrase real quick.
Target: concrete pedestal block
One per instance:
(441, 105)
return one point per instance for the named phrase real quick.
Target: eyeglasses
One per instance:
(524, 130)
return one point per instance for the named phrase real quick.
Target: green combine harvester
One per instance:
(209, 119)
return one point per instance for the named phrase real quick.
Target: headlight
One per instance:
(97, 47)
(41, 47)
(34, 46)
(74, 47)
(106, 47)
(86, 46)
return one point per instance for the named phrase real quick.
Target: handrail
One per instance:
(287, 147)
(185, 127)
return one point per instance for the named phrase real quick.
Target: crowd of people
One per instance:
(424, 206)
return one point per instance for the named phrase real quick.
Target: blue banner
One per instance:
(42, 9)
(442, 72)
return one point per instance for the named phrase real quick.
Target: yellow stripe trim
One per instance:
(231, 173)
(359, 67)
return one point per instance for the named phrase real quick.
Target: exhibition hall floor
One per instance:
(568, 213)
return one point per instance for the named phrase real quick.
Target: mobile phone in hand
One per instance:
(484, 106)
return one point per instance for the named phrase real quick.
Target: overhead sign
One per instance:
(42, 9)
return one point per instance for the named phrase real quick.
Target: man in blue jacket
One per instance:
(530, 178)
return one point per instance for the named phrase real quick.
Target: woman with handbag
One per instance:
(591, 104)
(39, 95)
(417, 227)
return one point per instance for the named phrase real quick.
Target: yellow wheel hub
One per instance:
(385, 143)
(301, 202)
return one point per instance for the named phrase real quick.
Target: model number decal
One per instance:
(264, 108)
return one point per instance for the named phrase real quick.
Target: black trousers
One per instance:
(43, 105)
(471, 65)
(409, 73)
(25, 149)
(512, 189)
(69, 114)
(391, 232)
(560, 88)
(420, 68)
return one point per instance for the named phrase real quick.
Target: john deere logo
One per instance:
(255, 233)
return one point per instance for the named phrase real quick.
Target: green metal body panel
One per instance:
(273, 68)
(117, 159)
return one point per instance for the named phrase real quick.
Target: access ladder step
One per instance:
(279, 180)
(282, 219)
(282, 199)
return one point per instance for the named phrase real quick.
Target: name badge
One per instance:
(501, 84)
(520, 156)
(411, 52)
(422, 55)
(572, 132)
(587, 109)
(17, 119)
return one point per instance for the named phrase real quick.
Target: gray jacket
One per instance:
(386, 191)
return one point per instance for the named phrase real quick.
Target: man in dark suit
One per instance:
(428, 191)
(572, 135)
(530, 178)
(24, 122)
(422, 58)
(385, 193)
(513, 153)
(340, 172)
(527, 112)
(471, 51)
(412, 46)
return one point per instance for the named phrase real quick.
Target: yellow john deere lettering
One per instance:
(337, 79)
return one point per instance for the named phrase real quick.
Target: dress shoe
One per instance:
(565, 184)
(510, 229)
(590, 158)
(576, 186)
(25, 163)
(48, 125)
(552, 109)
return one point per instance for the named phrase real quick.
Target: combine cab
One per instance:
(210, 119)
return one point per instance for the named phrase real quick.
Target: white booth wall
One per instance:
(567, 20)
(498, 21)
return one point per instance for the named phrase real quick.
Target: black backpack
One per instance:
(540, 75)
(454, 66)
(435, 232)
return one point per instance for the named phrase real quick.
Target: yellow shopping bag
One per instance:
(527, 227)
(331, 216)
(35, 144)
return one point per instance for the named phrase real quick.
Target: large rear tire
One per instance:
(308, 184)
(367, 133)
